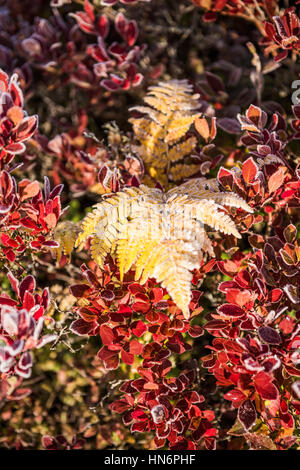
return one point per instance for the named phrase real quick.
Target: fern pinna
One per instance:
(161, 234)
(162, 131)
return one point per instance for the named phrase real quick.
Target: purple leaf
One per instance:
(232, 126)
(269, 335)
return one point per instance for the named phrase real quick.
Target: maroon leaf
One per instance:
(195, 331)
(231, 310)
(49, 443)
(247, 414)
(28, 284)
(81, 327)
(79, 290)
(108, 295)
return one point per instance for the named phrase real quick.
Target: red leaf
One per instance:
(49, 442)
(9, 255)
(13, 282)
(106, 334)
(136, 288)
(126, 357)
(89, 9)
(141, 426)
(109, 358)
(28, 284)
(208, 266)
(3, 81)
(235, 395)
(103, 25)
(16, 147)
(139, 329)
(215, 325)
(275, 295)
(135, 347)
(131, 33)
(156, 294)
(141, 307)
(264, 386)
(120, 23)
(238, 297)
(26, 128)
(120, 406)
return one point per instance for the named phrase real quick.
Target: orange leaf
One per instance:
(276, 180)
(202, 127)
(50, 220)
(30, 190)
(249, 170)
(15, 114)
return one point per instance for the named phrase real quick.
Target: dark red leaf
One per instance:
(247, 414)
(231, 310)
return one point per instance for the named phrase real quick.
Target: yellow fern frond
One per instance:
(182, 171)
(65, 234)
(88, 226)
(162, 131)
(174, 273)
(162, 235)
(178, 151)
(99, 249)
(201, 188)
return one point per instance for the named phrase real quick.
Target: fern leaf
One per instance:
(65, 234)
(161, 235)
(201, 188)
(182, 171)
(162, 131)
